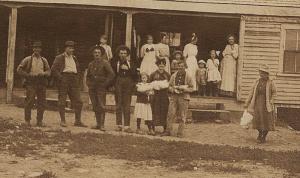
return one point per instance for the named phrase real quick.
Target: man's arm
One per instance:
(55, 69)
(47, 69)
(22, 66)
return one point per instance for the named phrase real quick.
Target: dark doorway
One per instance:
(4, 14)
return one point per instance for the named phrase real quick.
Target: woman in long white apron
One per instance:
(190, 52)
(149, 54)
(229, 67)
(163, 50)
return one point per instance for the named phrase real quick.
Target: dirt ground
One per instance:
(67, 165)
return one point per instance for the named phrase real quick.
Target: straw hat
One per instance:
(264, 68)
(201, 62)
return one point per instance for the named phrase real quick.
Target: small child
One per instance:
(201, 75)
(213, 74)
(143, 105)
(103, 44)
(177, 55)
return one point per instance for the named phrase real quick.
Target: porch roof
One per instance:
(243, 7)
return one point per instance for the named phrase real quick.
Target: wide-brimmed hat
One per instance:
(201, 62)
(37, 44)
(160, 61)
(264, 68)
(69, 44)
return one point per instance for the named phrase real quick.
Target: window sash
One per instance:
(294, 62)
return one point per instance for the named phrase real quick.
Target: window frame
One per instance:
(284, 29)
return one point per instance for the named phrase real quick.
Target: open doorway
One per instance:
(4, 13)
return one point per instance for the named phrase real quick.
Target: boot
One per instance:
(102, 121)
(78, 122)
(98, 121)
(180, 132)
(62, 117)
(39, 118)
(259, 136)
(264, 135)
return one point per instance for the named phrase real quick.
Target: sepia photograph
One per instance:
(149, 88)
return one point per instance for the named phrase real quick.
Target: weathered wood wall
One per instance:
(262, 44)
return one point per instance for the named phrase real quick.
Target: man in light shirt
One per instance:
(35, 69)
(65, 69)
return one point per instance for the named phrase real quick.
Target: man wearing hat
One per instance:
(35, 69)
(125, 80)
(65, 69)
(99, 75)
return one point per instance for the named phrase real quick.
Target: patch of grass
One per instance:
(24, 141)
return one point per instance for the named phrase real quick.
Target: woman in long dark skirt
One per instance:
(260, 104)
(160, 102)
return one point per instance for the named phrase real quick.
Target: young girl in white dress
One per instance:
(142, 108)
(190, 52)
(228, 67)
(149, 54)
(213, 74)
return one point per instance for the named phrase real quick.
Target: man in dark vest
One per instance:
(126, 76)
(35, 69)
(99, 76)
(66, 71)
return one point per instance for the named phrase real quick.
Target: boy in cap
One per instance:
(181, 85)
(35, 69)
(65, 69)
(99, 76)
(201, 75)
(103, 43)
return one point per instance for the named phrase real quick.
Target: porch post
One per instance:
(128, 28)
(12, 31)
(111, 30)
(107, 19)
(241, 57)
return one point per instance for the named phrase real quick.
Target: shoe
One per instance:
(79, 124)
(165, 134)
(96, 127)
(63, 124)
(179, 135)
(27, 123)
(119, 129)
(102, 129)
(128, 130)
(40, 124)
(139, 131)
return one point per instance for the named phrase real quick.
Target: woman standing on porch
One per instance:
(190, 52)
(149, 54)
(260, 103)
(164, 51)
(228, 67)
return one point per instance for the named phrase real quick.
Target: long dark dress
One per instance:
(160, 102)
(263, 120)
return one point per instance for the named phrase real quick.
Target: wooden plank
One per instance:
(206, 110)
(262, 45)
(128, 29)
(12, 32)
(259, 29)
(262, 41)
(262, 37)
(257, 49)
(263, 25)
(262, 53)
(106, 24)
(241, 56)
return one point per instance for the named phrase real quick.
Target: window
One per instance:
(291, 57)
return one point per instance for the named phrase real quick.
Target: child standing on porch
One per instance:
(143, 105)
(201, 75)
(103, 43)
(213, 74)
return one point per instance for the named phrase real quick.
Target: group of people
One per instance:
(209, 77)
(162, 93)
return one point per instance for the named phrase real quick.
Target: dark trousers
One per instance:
(98, 99)
(32, 91)
(202, 90)
(123, 93)
(212, 89)
(70, 86)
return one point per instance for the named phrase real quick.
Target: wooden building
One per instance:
(268, 32)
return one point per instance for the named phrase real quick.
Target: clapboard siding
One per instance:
(262, 40)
